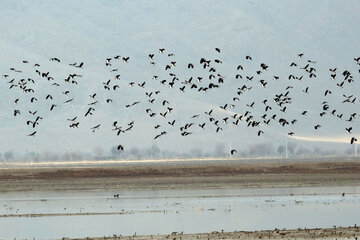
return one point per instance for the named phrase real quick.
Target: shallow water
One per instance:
(166, 211)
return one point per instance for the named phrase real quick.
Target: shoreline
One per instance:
(315, 233)
(184, 180)
(216, 175)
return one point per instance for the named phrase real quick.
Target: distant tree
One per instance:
(32, 156)
(98, 153)
(317, 151)
(75, 156)
(135, 153)
(328, 152)
(65, 156)
(115, 153)
(291, 146)
(281, 150)
(196, 153)
(49, 156)
(167, 154)
(8, 155)
(220, 150)
(350, 150)
(261, 149)
(303, 151)
(155, 151)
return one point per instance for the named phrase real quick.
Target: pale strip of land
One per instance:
(300, 234)
(137, 162)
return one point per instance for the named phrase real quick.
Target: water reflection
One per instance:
(191, 211)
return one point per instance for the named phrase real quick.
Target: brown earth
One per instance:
(171, 176)
(319, 233)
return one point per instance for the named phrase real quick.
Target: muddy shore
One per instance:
(214, 175)
(184, 176)
(318, 233)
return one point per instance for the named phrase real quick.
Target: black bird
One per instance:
(120, 148)
(55, 59)
(52, 107)
(74, 125)
(312, 75)
(72, 119)
(16, 112)
(353, 140)
(251, 105)
(349, 129)
(233, 151)
(209, 113)
(32, 134)
(95, 128)
(223, 107)
(317, 126)
(142, 85)
(89, 111)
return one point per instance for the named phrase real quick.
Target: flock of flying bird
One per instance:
(213, 81)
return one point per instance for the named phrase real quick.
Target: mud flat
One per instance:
(182, 176)
(318, 233)
(68, 202)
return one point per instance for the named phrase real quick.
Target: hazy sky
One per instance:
(272, 32)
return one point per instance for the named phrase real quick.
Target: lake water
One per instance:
(63, 214)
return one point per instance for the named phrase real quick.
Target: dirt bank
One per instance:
(318, 233)
(184, 176)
